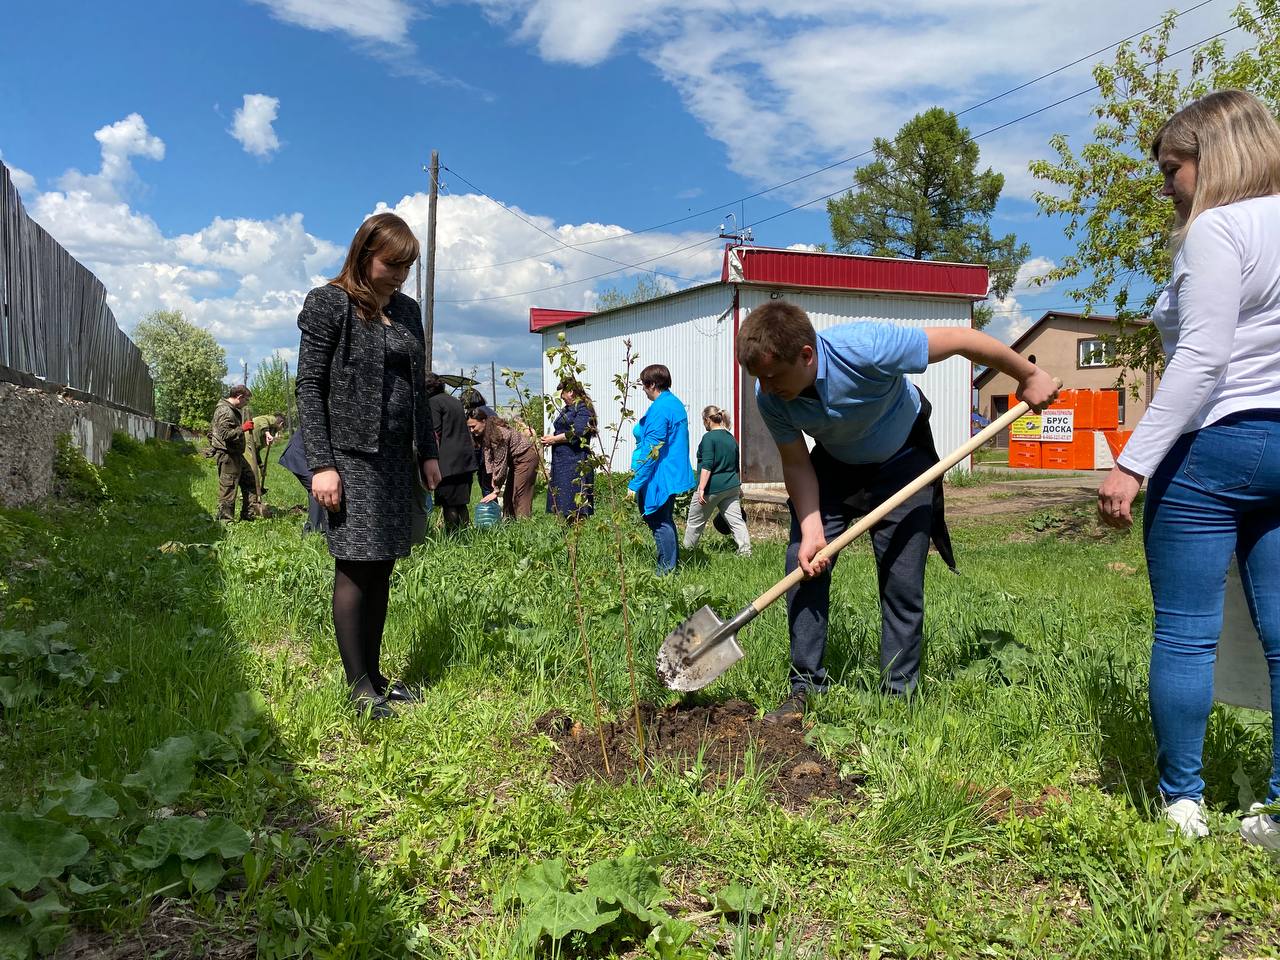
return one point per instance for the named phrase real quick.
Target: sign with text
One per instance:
(1025, 428)
(1057, 426)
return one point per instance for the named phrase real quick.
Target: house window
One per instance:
(1094, 353)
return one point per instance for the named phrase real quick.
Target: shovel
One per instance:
(704, 646)
(261, 477)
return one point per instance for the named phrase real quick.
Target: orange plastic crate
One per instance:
(1106, 410)
(1116, 439)
(1025, 454)
(1057, 456)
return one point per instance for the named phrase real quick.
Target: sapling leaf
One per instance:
(34, 849)
(167, 771)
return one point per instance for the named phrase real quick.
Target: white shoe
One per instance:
(1188, 816)
(1261, 830)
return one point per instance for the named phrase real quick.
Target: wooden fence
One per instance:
(55, 324)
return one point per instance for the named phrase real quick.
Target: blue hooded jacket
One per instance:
(661, 462)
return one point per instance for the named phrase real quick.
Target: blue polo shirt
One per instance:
(865, 406)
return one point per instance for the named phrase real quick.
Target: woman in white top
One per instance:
(1210, 441)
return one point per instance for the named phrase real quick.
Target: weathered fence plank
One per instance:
(54, 320)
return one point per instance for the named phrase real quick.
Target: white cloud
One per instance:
(119, 142)
(23, 182)
(382, 21)
(252, 122)
(244, 279)
(817, 80)
(1030, 271)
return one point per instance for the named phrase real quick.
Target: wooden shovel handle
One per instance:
(882, 511)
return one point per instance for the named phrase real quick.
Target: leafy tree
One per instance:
(646, 288)
(272, 388)
(187, 365)
(922, 197)
(1109, 191)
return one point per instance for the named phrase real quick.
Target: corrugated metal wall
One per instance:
(691, 334)
(947, 384)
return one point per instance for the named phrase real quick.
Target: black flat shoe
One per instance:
(400, 692)
(373, 707)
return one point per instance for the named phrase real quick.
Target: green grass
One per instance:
(406, 838)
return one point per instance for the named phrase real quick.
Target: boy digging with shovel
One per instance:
(846, 388)
(258, 441)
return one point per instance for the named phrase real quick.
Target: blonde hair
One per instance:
(383, 235)
(1235, 142)
(713, 414)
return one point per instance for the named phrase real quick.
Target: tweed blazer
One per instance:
(341, 367)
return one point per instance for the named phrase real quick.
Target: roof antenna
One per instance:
(741, 235)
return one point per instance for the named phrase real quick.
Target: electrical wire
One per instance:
(834, 193)
(812, 173)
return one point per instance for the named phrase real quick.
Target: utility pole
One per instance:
(493, 383)
(429, 320)
(418, 275)
(245, 381)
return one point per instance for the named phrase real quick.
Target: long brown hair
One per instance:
(383, 235)
(495, 428)
(1235, 142)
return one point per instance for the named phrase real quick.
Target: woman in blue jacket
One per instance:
(660, 465)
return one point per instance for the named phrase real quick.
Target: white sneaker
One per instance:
(1188, 816)
(1261, 830)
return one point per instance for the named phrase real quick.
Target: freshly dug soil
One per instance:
(721, 734)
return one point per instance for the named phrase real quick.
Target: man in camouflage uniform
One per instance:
(265, 429)
(226, 437)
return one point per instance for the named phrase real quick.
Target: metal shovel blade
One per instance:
(697, 651)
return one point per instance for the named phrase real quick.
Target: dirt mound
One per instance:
(711, 739)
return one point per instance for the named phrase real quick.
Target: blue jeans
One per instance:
(662, 523)
(1217, 492)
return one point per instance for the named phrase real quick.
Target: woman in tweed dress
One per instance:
(368, 438)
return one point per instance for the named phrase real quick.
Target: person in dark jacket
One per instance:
(368, 436)
(473, 399)
(294, 459)
(226, 437)
(457, 454)
(571, 490)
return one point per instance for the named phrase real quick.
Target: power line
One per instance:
(812, 173)
(828, 196)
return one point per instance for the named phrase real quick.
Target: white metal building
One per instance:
(693, 331)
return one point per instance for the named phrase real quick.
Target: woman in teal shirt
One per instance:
(719, 483)
(660, 465)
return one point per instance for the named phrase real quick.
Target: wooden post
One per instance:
(245, 381)
(418, 276)
(493, 383)
(429, 320)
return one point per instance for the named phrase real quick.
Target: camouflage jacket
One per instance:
(225, 433)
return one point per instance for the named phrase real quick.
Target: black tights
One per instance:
(361, 589)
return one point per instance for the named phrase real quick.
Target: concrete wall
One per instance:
(34, 419)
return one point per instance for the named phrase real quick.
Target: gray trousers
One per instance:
(730, 503)
(901, 544)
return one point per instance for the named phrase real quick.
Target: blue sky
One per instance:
(215, 157)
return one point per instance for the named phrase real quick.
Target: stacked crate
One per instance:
(1097, 437)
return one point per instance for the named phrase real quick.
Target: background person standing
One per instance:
(457, 453)
(226, 437)
(368, 438)
(719, 483)
(660, 464)
(571, 489)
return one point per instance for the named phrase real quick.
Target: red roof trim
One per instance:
(540, 317)
(766, 266)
